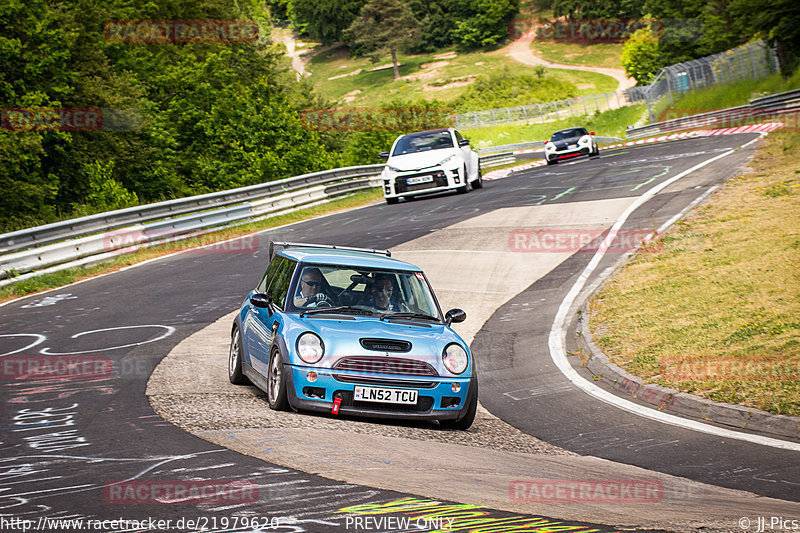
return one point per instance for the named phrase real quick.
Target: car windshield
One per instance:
(363, 291)
(566, 134)
(422, 142)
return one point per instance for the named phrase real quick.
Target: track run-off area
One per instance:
(160, 412)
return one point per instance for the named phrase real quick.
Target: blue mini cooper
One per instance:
(352, 331)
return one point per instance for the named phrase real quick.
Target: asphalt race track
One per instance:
(69, 443)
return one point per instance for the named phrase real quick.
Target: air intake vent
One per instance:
(386, 345)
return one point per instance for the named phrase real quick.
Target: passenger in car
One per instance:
(382, 295)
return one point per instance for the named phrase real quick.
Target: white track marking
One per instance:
(558, 335)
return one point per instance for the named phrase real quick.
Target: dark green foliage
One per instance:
(695, 28)
(324, 20)
(213, 115)
(602, 9)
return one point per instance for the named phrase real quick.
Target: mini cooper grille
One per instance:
(385, 365)
(378, 382)
(386, 345)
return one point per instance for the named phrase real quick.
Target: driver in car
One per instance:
(381, 295)
(309, 290)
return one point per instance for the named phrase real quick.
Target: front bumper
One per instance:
(432, 180)
(436, 399)
(568, 152)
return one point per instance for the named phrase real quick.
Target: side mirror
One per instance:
(463, 142)
(455, 316)
(591, 133)
(384, 155)
(261, 300)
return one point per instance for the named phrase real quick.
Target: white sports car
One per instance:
(427, 162)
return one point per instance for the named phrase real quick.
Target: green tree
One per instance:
(384, 26)
(325, 20)
(777, 21)
(586, 9)
(484, 22)
(640, 56)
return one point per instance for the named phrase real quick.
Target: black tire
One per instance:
(235, 374)
(276, 383)
(391, 201)
(478, 183)
(465, 421)
(464, 188)
(551, 161)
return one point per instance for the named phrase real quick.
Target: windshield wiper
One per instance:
(338, 309)
(409, 315)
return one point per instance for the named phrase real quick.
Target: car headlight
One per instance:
(584, 140)
(394, 169)
(446, 160)
(455, 358)
(549, 146)
(310, 348)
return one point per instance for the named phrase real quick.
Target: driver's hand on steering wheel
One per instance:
(317, 299)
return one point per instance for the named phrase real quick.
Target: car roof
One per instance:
(570, 129)
(439, 130)
(332, 256)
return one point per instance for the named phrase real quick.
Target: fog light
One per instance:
(311, 377)
(455, 387)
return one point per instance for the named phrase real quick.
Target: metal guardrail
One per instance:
(758, 108)
(92, 239)
(120, 236)
(22, 239)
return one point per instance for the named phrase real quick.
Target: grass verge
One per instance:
(713, 309)
(606, 55)
(606, 124)
(71, 275)
(443, 76)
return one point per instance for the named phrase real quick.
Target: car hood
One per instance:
(341, 338)
(421, 160)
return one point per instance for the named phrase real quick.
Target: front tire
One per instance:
(478, 183)
(235, 374)
(276, 383)
(551, 161)
(464, 188)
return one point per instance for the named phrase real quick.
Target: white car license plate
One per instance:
(573, 146)
(374, 394)
(419, 179)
